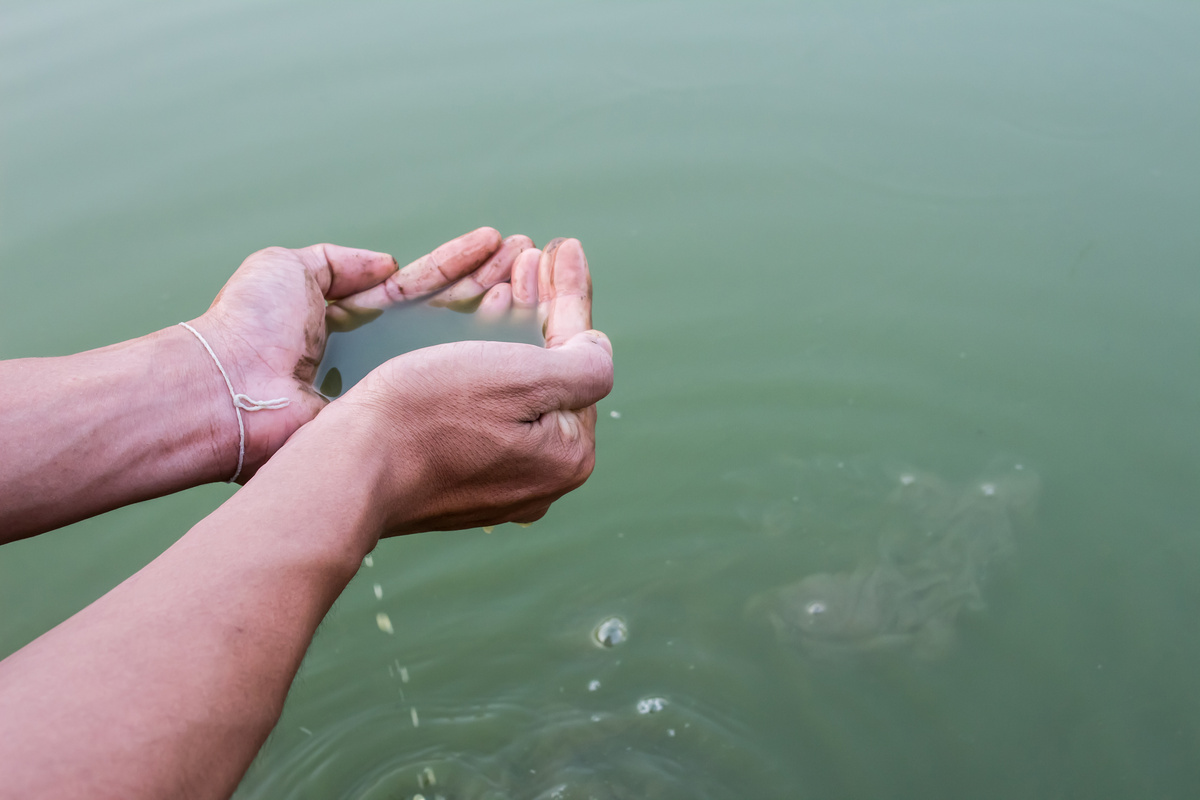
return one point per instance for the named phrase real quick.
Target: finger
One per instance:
(524, 279)
(466, 293)
(496, 303)
(341, 271)
(429, 273)
(564, 291)
(571, 377)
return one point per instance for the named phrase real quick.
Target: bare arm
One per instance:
(168, 685)
(83, 434)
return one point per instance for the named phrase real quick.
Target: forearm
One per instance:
(82, 434)
(168, 685)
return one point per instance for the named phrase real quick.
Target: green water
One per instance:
(921, 239)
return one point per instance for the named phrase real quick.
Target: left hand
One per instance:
(268, 325)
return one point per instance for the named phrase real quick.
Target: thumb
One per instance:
(579, 372)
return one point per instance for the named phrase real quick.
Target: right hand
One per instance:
(478, 433)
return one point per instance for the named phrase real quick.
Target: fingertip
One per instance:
(525, 278)
(342, 271)
(487, 231)
(496, 303)
(589, 338)
(599, 338)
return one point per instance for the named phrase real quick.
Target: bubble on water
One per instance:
(651, 705)
(593, 685)
(815, 607)
(670, 731)
(907, 479)
(369, 561)
(384, 622)
(988, 489)
(378, 592)
(595, 717)
(489, 528)
(416, 720)
(615, 414)
(610, 632)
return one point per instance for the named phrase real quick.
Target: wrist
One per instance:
(185, 366)
(323, 487)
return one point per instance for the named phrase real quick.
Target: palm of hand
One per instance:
(271, 313)
(268, 325)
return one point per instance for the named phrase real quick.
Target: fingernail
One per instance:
(599, 338)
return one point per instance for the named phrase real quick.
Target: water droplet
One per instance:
(610, 632)
(404, 674)
(907, 479)
(384, 622)
(670, 731)
(615, 414)
(378, 592)
(369, 561)
(593, 685)
(815, 607)
(416, 720)
(988, 489)
(651, 705)
(489, 528)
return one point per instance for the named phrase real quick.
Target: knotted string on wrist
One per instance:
(241, 402)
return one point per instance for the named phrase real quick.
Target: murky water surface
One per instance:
(858, 262)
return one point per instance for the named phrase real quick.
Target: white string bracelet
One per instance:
(240, 402)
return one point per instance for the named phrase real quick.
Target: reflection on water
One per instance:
(656, 748)
(350, 355)
(935, 544)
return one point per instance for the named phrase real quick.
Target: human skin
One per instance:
(168, 685)
(86, 433)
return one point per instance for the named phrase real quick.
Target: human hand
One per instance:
(478, 433)
(269, 324)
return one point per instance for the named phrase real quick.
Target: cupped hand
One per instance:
(269, 324)
(478, 433)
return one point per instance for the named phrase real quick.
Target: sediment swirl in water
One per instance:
(935, 544)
